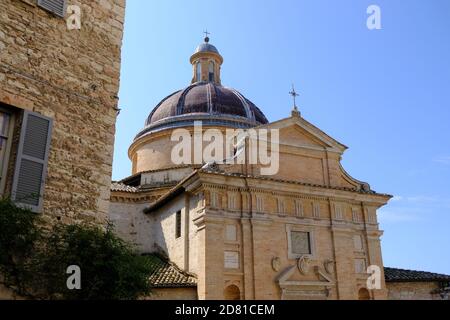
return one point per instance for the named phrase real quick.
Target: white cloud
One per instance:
(442, 160)
(413, 208)
(420, 200)
(386, 216)
(423, 199)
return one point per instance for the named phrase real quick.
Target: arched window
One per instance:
(199, 71)
(363, 294)
(232, 293)
(211, 71)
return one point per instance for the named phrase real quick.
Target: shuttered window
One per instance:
(31, 163)
(57, 7)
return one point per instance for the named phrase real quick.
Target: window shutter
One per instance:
(57, 7)
(31, 163)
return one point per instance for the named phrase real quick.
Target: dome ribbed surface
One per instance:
(206, 47)
(207, 99)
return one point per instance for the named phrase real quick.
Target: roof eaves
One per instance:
(403, 275)
(175, 191)
(120, 187)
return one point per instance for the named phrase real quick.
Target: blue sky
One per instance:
(384, 93)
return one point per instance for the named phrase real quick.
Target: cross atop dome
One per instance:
(206, 35)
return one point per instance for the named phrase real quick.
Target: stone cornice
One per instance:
(322, 193)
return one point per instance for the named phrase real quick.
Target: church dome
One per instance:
(208, 102)
(205, 100)
(206, 47)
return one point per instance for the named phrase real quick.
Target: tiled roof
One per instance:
(401, 275)
(116, 186)
(175, 167)
(165, 274)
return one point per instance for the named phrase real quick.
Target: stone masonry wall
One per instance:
(261, 235)
(71, 76)
(412, 290)
(173, 294)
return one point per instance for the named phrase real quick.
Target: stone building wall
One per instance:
(173, 294)
(412, 290)
(235, 223)
(132, 225)
(163, 232)
(155, 232)
(154, 152)
(71, 76)
(240, 233)
(183, 251)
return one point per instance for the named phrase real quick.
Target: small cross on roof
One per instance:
(294, 95)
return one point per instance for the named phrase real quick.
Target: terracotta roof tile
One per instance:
(166, 274)
(401, 275)
(116, 186)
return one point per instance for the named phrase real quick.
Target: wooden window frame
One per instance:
(7, 159)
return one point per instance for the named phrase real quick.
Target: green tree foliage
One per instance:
(34, 260)
(18, 236)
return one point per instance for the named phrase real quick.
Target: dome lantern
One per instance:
(206, 63)
(205, 99)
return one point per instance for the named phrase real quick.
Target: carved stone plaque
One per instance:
(231, 260)
(300, 242)
(358, 243)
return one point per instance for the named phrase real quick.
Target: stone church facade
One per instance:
(308, 232)
(214, 232)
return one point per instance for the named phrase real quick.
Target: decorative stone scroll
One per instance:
(329, 266)
(304, 264)
(276, 264)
